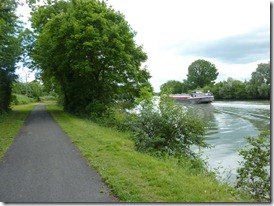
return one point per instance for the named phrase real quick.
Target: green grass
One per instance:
(20, 99)
(11, 123)
(137, 177)
(48, 98)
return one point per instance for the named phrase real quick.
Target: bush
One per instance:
(116, 116)
(48, 98)
(18, 99)
(167, 129)
(254, 173)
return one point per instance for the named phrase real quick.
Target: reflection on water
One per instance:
(228, 122)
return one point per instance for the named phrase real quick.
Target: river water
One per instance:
(228, 123)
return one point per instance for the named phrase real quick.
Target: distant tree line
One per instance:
(258, 87)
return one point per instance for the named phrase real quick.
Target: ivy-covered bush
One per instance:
(254, 171)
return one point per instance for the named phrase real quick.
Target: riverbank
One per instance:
(137, 177)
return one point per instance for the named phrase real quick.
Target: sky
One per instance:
(234, 35)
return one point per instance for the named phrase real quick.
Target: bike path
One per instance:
(43, 165)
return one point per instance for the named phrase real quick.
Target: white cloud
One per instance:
(162, 24)
(242, 48)
(23, 11)
(237, 71)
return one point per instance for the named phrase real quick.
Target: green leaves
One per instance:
(89, 47)
(201, 73)
(259, 85)
(254, 173)
(172, 87)
(9, 50)
(169, 129)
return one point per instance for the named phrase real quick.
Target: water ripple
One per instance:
(228, 123)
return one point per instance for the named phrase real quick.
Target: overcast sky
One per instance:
(232, 34)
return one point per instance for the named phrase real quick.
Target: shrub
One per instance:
(167, 129)
(48, 98)
(254, 171)
(18, 99)
(116, 116)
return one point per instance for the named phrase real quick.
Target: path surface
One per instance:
(43, 165)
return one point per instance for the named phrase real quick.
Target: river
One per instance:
(228, 123)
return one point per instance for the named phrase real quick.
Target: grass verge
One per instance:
(11, 123)
(137, 177)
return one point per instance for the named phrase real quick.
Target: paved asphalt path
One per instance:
(43, 165)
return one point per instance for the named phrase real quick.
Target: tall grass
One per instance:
(19, 99)
(137, 177)
(11, 123)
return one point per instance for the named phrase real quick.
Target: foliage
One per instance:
(138, 177)
(172, 87)
(5, 90)
(257, 88)
(48, 98)
(9, 50)
(116, 116)
(169, 129)
(89, 50)
(50, 86)
(27, 44)
(254, 173)
(35, 89)
(259, 85)
(232, 89)
(18, 87)
(201, 73)
(18, 99)
(144, 94)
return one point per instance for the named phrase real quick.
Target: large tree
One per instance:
(90, 51)
(201, 73)
(9, 50)
(259, 85)
(172, 87)
(232, 89)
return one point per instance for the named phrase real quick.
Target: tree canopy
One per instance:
(259, 85)
(89, 49)
(9, 50)
(172, 87)
(232, 89)
(201, 73)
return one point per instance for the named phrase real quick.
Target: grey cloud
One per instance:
(240, 49)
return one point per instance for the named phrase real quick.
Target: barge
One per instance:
(195, 97)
